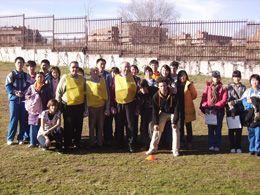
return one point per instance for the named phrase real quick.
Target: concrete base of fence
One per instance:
(8, 54)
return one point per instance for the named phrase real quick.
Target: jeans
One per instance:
(214, 131)
(17, 114)
(254, 139)
(33, 134)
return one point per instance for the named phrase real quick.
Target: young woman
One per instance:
(55, 78)
(50, 126)
(213, 102)
(186, 92)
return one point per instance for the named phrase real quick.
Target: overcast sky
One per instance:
(188, 9)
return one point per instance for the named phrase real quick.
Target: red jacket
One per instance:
(206, 102)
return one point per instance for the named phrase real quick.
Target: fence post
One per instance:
(53, 37)
(23, 32)
(120, 49)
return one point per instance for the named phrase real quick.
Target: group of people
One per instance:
(163, 100)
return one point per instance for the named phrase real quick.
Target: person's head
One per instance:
(114, 71)
(154, 65)
(81, 72)
(39, 77)
(182, 76)
(19, 63)
(254, 81)
(125, 68)
(55, 72)
(236, 76)
(94, 72)
(215, 76)
(165, 71)
(162, 85)
(101, 64)
(31, 66)
(45, 65)
(148, 72)
(53, 106)
(144, 86)
(174, 67)
(74, 68)
(134, 70)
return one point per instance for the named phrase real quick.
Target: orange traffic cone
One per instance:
(150, 157)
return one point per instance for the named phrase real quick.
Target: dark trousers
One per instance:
(188, 130)
(126, 116)
(73, 121)
(57, 136)
(146, 118)
(235, 136)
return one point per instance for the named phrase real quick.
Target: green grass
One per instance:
(33, 171)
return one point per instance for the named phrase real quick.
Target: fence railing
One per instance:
(193, 40)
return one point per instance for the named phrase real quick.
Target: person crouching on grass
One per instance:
(98, 106)
(165, 108)
(214, 99)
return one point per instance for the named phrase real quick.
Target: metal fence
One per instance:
(193, 40)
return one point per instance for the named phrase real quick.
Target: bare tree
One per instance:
(148, 10)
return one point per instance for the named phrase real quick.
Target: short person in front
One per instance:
(71, 94)
(165, 108)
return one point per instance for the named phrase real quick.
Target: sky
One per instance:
(187, 9)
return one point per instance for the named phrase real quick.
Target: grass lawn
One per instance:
(33, 171)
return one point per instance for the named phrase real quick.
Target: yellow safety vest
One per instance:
(125, 89)
(75, 90)
(96, 93)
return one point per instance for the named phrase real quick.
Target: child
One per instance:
(55, 78)
(36, 97)
(214, 99)
(234, 108)
(186, 92)
(45, 68)
(165, 108)
(50, 126)
(148, 74)
(16, 85)
(249, 98)
(31, 67)
(144, 99)
(97, 106)
(154, 64)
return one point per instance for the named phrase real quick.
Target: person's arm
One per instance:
(193, 91)
(53, 127)
(60, 88)
(223, 101)
(9, 84)
(204, 98)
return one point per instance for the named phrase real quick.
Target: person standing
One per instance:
(71, 93)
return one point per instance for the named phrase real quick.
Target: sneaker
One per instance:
(233, 150)
(211, 148)
(149, 152)
(252, 153)
(216, 149)
(239, 151)
(258, 154)
(9, 143)
(20, 142)
(175, 154)
(31, 146)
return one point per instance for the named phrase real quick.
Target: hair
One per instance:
(180, 74)
(144, 83)
(161, 80)
(115, 70)
(148, 68)
(57, 69)
(154, 62)
(135, 67)
(167, 68)
(81, 70)
(236, 73)
(45, 61)
(74, 62)
(101, 59)
(19, 58)
(175, 64)
(40, 72)
(254, 76)
(31, 63)
(53, 102)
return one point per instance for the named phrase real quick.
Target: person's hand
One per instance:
(18, 93)
(249, 100)
(233, 114)
(214, 112)
(174, 126)
(107, 112)
(207, 111)
(156, 127)
(85, 114)
(113, 110)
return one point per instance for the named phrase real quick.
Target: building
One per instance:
(204, 38)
